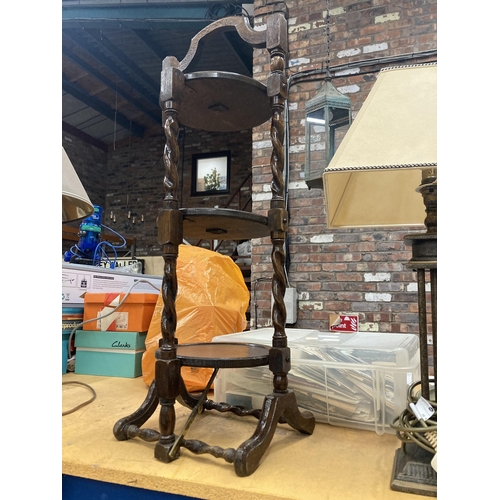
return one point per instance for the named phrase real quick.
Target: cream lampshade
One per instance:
(372, 178)
(75, 202)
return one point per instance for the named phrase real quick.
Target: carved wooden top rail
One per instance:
(254, 37)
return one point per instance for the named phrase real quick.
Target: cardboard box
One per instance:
(72, 318)
(78, 280)
(357, 380)
(111, 354)
(134, 315)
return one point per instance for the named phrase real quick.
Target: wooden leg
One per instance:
(250, 452)
(167, 373)
(127, 427)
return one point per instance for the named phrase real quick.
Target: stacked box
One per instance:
(111, 354)
(79, 279)
(72, 317)
(354, 380)
(102, 311)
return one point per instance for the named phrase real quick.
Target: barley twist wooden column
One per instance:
(279, 359)
(167, 366)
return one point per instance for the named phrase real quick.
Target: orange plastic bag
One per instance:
(212, 299)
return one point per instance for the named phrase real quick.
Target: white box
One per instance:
(78, 279)
(354, 380)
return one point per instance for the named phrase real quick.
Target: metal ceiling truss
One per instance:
(66, 127)
(98, 35)
(156, 116)
(83, 25)
(84, 43)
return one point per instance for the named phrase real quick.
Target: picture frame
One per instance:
(210, 175)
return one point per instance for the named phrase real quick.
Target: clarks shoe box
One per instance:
(111, 354)
(134, 315)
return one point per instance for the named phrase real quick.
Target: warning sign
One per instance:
(347, 323)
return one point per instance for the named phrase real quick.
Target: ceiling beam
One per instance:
(145, 36)
(100, 38)
(102, 108)
(110, 84)
(109, 64)
(80, 134)
(146, 15)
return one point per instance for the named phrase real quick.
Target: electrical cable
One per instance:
(124, 241)
(100, 254)
(220, 10)
(85, 403)
(100, 248)
(387, 60)
(74, 250)
(409, 429)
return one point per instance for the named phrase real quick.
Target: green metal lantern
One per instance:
(328, 116)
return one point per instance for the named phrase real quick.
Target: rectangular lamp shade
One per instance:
(75, 202)
(371, 180)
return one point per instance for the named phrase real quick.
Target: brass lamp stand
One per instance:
(412, 471)
(424, 258)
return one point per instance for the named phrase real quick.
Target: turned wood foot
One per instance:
(250, 452)
(303, 421)
(139, 417)
(163, 450)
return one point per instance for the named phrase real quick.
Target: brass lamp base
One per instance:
(412, 471)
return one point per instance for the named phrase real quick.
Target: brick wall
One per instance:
(348, 270)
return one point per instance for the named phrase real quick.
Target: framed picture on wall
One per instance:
(211, 173)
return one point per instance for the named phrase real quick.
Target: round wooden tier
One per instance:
(223, 224)
(219, 101)
(223, 355)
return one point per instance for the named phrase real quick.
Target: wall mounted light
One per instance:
(328, 116)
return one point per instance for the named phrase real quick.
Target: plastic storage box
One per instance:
(134, 315)
(354, 380)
